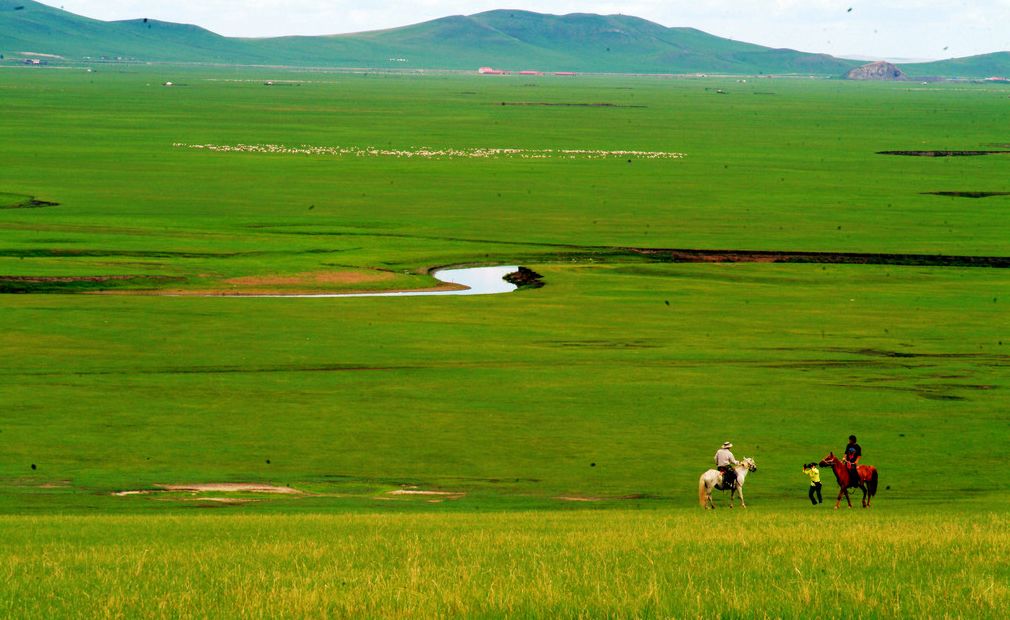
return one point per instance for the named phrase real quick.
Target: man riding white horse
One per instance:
(713, 479)
(725, 462)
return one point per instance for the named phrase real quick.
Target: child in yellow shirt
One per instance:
(810, 469)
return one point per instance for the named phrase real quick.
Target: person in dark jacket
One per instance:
(853, 452)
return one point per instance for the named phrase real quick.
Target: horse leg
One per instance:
(742, 504)
(843, 492)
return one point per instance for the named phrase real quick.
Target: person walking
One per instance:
(853, 452)
(810, 469)
(724, 462)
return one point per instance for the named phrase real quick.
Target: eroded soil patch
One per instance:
(150, 254)
(589, 498)
(834, 258)
(570, 105)
(942, 153)
(77, 284)
(604, 344)
(230, 487)
(415, 492)
(938, 391)
(312, 278)
(967, 194)
(228, 501)
(214, 487)
(29, 202)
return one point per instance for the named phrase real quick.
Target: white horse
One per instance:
(712, 479)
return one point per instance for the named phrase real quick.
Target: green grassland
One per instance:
(623, 564)
(570, 423)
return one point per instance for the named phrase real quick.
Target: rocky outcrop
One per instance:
(883, 71)
(525, 278)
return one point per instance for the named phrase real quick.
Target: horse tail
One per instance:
(871, 485)
(702, 499)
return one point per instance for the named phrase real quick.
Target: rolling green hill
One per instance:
(986, 65)
(27, 26)
(509, 39)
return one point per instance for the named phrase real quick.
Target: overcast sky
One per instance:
(885, 29)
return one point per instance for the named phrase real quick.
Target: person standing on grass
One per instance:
(810, 469)
(853, 452)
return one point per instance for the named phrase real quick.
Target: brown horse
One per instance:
(867, 479)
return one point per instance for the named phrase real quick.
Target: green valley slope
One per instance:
(509, 39)
(34, 28)
(986, 65)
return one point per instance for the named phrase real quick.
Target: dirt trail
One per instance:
(834, 258)
(942, 153)
(232, 487)
(214, 487)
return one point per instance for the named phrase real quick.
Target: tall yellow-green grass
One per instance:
(544, 564)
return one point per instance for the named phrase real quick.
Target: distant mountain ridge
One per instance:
(509, 39)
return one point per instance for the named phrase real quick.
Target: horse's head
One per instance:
(829, 460)
(749, 464)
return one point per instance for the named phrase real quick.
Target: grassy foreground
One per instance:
(541, 564)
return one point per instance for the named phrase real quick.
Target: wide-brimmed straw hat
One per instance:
(727, 444)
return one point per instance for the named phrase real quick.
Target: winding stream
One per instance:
(478, 280)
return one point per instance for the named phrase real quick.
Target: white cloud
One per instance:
(882, 28)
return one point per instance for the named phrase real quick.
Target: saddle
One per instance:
(854, 484)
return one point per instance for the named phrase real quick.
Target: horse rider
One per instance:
(724, 462)
(853, 452)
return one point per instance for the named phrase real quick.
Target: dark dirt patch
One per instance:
(834, 258)
(605, 498)
(77, 284)
(30, 202)
(603, 253)
(525, 277)
(885, 353)
(74, 252)
(904, 354)
(942, 153)
(929, 392)
(220, 370)
(934, 396)
(603, 344)
(571, 105)
(811, 364)
(967, 194)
